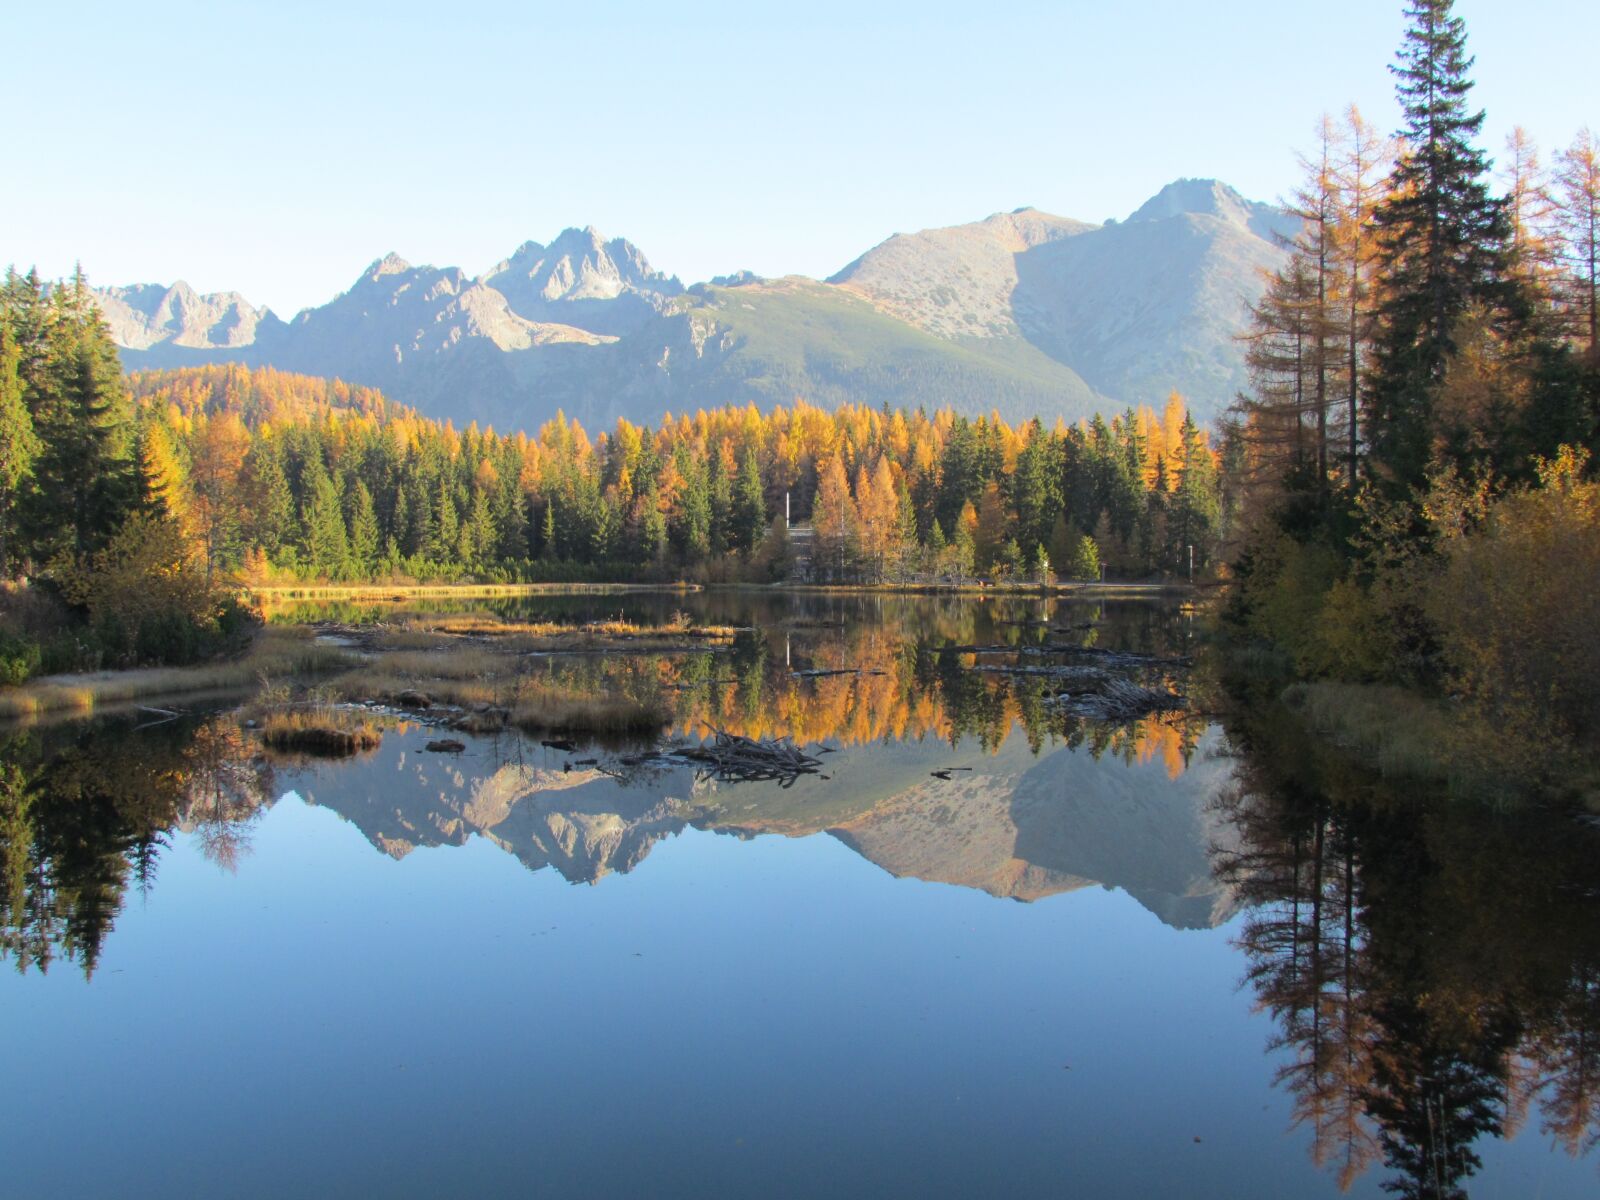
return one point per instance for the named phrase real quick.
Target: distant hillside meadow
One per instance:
(1024, 314)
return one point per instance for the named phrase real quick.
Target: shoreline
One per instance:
(291, 650)
(378, 592)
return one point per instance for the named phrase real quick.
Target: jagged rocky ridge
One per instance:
(1024, 312)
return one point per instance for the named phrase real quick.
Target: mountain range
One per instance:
(1013, 824)
(1023, 312)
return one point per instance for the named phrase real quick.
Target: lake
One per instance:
(998, 944)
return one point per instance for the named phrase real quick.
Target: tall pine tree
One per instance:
(1441, 242)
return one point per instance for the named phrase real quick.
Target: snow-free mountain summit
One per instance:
(1023, 312)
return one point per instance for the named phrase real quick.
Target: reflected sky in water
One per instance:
(1056, 973)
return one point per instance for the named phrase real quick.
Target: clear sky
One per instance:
(275, 148)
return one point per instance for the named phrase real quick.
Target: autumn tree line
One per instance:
(278, 473)
(320, 480)
(1415, 464)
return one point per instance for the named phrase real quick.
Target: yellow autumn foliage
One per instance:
(1517, 607)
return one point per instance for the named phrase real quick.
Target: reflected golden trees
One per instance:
(227, 785)
(1433, 973)
(1301, 941)
(86, 811)
(892, 678)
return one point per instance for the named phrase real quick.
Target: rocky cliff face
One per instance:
(605, 287)
(960, 281)
(1138, 309)
(148, 314)
(1026, 312)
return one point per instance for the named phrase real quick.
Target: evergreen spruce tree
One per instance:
(326, 544)
(1441, 242)
(480, 531)
(720, 487)
(1035, 490)
(510, 518)
(547, 532)
(691, 533)
(1196, 510)
(445, 536)
(653, 529)
(19, 445)
(936, 542)
(363, 531)
(396, 545)
(749, 507)
(84, 479)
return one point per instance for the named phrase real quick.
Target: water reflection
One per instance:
(1433, 969)
(1432, 972)
(85, 812)
(1031, 801)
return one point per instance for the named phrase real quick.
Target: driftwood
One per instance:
(1117, 658)
(1114, 699)
(1056, 671)
(825, 673)
(735, 759)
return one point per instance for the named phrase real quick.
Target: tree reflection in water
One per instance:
(85, 812)
(1432, 967)
(86, 809)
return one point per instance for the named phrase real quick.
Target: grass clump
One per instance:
(327, 733)
(679, 632)
(552, 708)
(318, 726)
(274, 651)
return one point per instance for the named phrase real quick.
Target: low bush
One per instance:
(1517, 610)
(20, 659)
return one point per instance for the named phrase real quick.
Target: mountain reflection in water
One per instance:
(1432, 971)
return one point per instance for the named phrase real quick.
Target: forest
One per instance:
(1415, 466)
(205, 478)
(1406, 496)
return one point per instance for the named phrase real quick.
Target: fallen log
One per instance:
(1122, 658)
(736, 759)
(1117, 699)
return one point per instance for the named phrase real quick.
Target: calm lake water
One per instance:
(1188, 956)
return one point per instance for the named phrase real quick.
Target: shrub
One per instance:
(20, 659)
(1516, 608)
(148, 600)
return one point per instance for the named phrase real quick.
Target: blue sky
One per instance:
(277, 148)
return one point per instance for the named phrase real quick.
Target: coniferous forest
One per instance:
(210, 476)
(1405, 495)
(1201, 797)
(1415, 468)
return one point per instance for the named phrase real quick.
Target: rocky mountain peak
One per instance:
(583, 280)
(1020, 310)
(1200, 197)
(390, 264)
